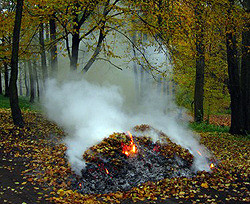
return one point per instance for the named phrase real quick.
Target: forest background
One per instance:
(206, 43)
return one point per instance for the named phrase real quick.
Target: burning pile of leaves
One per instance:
(123, 161)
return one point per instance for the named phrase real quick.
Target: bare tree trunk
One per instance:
(245, 72)
(32, 84)
(6, 80)
(200, 66)
(53, 51)
(43, 54)
(15, 109)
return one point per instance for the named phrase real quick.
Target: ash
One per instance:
(146, 165)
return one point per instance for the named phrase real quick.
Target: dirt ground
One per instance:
(14, 188)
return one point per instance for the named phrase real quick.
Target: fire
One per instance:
(212, 166)
(107, 171)
(80, 185)
(131, 148)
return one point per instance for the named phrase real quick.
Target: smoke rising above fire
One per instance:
(89, 112)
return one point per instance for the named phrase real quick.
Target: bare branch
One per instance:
(99, 58)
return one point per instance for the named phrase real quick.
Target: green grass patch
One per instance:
(204, 127)
(23, 103)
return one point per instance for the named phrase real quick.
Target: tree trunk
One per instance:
(234, 76)
(245, 72)
(20, 83)
(43, 54)
(37, 81)
(75, 50)
(1, 89)
(53, 51)
(47, 38)
(200, 66)
(26, 80)
(32, 82)
(15, 109)
(97, 50)
(6, 80)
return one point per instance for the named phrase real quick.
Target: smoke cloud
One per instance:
(89, 112)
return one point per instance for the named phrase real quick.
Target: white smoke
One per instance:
(89, 112)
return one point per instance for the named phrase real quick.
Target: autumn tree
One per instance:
(15, 109)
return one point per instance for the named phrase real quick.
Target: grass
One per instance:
(23, 103)
(217, 129)
(204, 127)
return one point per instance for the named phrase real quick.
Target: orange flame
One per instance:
(212, 166)
(107, 171)
(131, 148)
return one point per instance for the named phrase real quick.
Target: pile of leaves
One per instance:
(109, 169)
(47, 169)
(111, 146)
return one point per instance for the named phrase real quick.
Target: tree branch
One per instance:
(99, 58)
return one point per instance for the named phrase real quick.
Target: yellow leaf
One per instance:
(204, 185)
(60, 192)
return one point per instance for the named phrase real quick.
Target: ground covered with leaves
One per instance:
(34, 169)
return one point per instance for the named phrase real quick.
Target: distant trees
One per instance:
(203, 38)
(199, 33)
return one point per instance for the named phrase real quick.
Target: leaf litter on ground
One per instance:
(47, 168)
